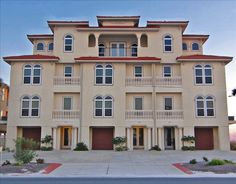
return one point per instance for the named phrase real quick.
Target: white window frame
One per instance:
(103, 100)
(171, 45)
(32, 67)
(95, 108)
(30, 100)
(164, 70)
(104, 107)
(135, 71)
(204, 100)
(72, 43)
(103, 47)
(194, 49)
(134, 46)
(30, 76)
(117, 49)
(136, 97)
(172, 103)
(32, 105)
(63, 103)
(213, 103)
(68, 73)
(103, 68)
(203, 67)
(29, 109)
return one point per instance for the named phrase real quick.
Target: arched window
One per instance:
(108, 106)
(200, 106)
(101, 49)
(203, 75)
(210, 106)
(25, 106)
(40, 47)
(144, 40)
(168, 43)
(184, 46)
(104, 74)
(27, 74)
(36, 74)
(98, 106)
(195, 46)
(68, 43)
(35, 106)
(50, 47)
(134, 50)
(91, 40)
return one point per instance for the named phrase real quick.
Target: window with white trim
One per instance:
(67, 103)
(203, 74)
(104, 74)
(30, 106)
(184, 46)
(25, 106)
(134, 50)
(195, 46)
(101, 49)
(40, 47)
(117, 49)
(103, 106)
(138, 103)
(68, 43)
(27, 74)
(168, 102)
(32, 75)
(205, 106)
(36, 74)
(68, 71)
(210, 106)
(35, 106)
(138, 71)
(168, 43)
(50, 47)
(167, 71)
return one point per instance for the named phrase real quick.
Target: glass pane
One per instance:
(68, 69)
(134, 136)
(108, 104)
(209, 104)
(67, 103)
(121, 52)
(167, 48)
(35, 104)
(200, 104)
(68, 41)
(113, 51)
(66, 136)
(108, 80)
(98, 112)
(27, 72)
(198, 72)
(25, 104)
(37, 72)
(98, 104)
(138, 104)
(35, 112)
(138, 69)
(140, 136)
(200, 112)
(99, 72)
(68, 48)
(26, 80)
(36, 80)
(210, 112)
(50, 46)
(208, 80)
(198, 80)
(207, 71)
(168, 42)
(108, 112)
(108, 72)
(68, 75)
(167, 69)
(168, 103)
(98, 80)
(25, 112)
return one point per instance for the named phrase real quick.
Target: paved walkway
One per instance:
(128, 163)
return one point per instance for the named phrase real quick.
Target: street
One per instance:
(111, 180)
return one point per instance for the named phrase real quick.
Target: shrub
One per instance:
(216, 162)
(47, 140)
(233, 145)
(156, 147)
(188, 139)
(229, 162)
(44, 148)
(119, 143)
(81, 147)
(193, 161)
(25, 150)
(205, 159)
(188, 148)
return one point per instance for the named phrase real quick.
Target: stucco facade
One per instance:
(152, 81)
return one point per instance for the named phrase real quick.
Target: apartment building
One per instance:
(152, 84)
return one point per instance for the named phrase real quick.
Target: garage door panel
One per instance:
(102, 138)
(204, 138)
(32, 133)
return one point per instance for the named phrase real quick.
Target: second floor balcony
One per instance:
(66, 84)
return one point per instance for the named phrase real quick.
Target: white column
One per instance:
(154, 138)
(149, 138)
(176, 137)
(160, 138)
(74, 138)
(54, 136)
(131, 139)
(128, 138)
(180, 137)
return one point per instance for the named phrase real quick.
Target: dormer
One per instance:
(118, 21)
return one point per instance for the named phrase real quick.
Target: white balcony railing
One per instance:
(170, 114)
(168, 81)
(66, 81)
(138, 81)
(139, 114)
(65, 114)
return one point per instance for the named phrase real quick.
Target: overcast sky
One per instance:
(216, 18)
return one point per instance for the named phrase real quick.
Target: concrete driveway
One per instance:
(127, 163)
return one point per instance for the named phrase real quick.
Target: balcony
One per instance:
(65, 114)
(138, 81)
(139, 114)
(66, 84)
(168, 81)
(170, 115)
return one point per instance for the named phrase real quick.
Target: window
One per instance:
(36, 74)
(195, 46)
(27, 74)
(103, 106)
(138, 103)
(40, 47)
(30, 106)
(134, 50)
(168, 103)
(203, 75)
(101, 50)
(138, 71)
(184, 46)
(68, 71)
(68, 43)
(168, 43)
(205, 106)
(104, 74)
(67, 103)
(50, 47)
(167, 71)
(117, 49)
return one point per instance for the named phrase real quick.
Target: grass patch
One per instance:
(215, 162)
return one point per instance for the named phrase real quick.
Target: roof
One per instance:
(53, 23)
(101, 19)
(39, 36)
(122, 59)
(198, 57)
(118, 17)
(202, 37)
(37, 57)
(181, 23)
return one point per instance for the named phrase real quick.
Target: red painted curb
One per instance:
(51, 167)
(182, 168)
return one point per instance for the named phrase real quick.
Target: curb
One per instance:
(182, 168)
(51, 167)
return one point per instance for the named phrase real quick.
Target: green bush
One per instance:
(156, 147)
(205, 159)
(233, 145)
(216, 162)
(193, 161)
(47, 141)
(24, 150)
(119, 143)
(44, 148)
(81, 147)
(188, 139)
(188, 148)
(229, 162)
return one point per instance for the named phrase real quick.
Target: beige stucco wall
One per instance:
(45, 43)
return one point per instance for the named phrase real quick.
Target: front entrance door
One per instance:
(138, 137)
(169, 136)
(66, 137)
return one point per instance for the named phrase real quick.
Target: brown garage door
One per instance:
(32, 133)
(204, 138)
(102, 139)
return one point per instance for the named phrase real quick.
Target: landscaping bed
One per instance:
(26, 168)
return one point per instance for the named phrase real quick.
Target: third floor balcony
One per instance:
(66, 84)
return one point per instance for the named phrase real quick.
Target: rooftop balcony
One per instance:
(65, 114)
(66, 84)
